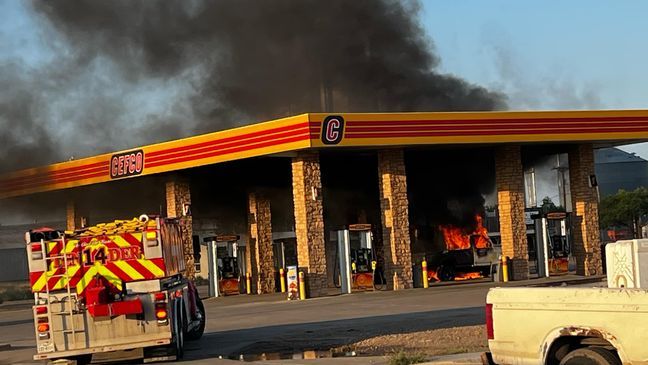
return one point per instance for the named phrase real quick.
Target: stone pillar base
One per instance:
(178, 194)
(509, 180)
(260, 239)
(518, 269)
(309, 221)
(586, 244)
(394, 207)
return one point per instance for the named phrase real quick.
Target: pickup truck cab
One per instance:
(567, 326)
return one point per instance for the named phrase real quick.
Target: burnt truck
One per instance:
(114, 290)
(466, 255)
(459, 263)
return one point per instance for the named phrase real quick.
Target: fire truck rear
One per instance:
(113, 290)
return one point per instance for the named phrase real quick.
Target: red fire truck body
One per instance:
(115, 288)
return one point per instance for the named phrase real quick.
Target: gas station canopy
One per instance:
(330, 130)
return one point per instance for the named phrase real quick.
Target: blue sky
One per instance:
(547, 54)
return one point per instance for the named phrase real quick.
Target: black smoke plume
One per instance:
(235, 62)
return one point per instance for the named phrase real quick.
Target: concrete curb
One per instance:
(471, 358)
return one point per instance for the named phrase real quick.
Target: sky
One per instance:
(547, 54)
(542, 54)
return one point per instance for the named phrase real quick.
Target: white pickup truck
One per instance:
(567, 326)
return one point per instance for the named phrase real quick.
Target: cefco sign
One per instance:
(332, 130)
(126, 164)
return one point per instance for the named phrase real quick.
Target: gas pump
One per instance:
(357, 260)
(558, 243)
(549, 236)
(533, 221)
(224, 277)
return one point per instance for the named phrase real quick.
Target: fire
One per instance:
(468, 276)
(433, 275)
(456, 239)
(481, 234)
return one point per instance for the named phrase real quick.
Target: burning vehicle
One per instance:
(468, 254)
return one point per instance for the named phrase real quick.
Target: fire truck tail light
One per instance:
(161, 313)
(41, 310)
(489, 322)
(43, 327)
(36, 251)
(160, 297)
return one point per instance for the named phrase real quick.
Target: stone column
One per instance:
(261, 258)
(586, 241)
(309, 221)
(74, 219)
(71, 216)
(509, 179)
(178, 195)
(251, 262)
(395, 219)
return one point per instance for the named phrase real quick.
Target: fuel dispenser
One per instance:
(557, 241)
(224, 276)
(549, 242)
(357, 260)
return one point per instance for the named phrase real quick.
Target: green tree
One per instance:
(549, 206)
(625, 208)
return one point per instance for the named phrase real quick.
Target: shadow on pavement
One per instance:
(16, 322)
(327, 334)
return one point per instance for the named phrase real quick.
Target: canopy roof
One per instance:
(334, 130)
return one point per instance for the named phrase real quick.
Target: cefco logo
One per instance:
(332, 129)
(127, 164)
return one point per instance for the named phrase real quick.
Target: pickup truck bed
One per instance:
(544, 325)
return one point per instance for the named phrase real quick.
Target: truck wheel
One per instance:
(197, 332)
(77, 360)
(83, 359)
(446, 272)
(590, 356)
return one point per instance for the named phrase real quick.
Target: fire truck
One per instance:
(114, 290)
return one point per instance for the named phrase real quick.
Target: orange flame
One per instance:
(432, 275)
(456, 239)
(481, 234)
(468, 276)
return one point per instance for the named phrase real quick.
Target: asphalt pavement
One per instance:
(263, 327)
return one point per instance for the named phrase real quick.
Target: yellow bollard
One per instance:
(425, 274)
(282, 280)
(302, 286)
(505, 272)
(248, 284)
